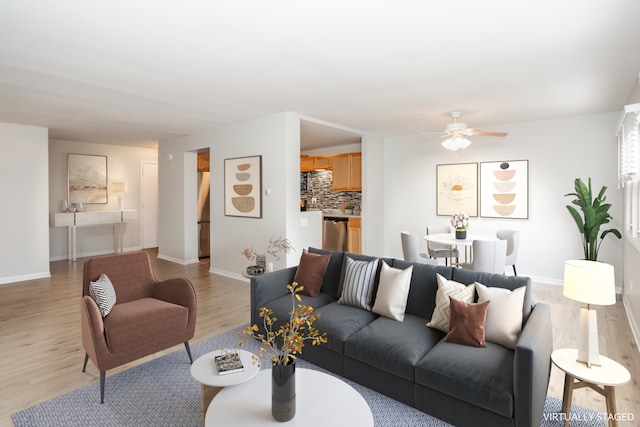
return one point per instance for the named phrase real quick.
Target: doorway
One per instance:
(204, 186)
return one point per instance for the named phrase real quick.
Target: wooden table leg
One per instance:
(610, 397)
(207, 393)
(567, 396)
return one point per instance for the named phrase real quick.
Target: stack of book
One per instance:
(228, 363)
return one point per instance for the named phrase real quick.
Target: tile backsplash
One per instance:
(317, 184)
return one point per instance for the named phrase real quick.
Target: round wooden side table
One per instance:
(601, 378)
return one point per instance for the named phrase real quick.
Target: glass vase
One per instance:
(261, 260)
(283, 392)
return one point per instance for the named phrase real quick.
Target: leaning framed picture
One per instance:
(87, 178)
(504, 189)
(243, 187)
(457, 189)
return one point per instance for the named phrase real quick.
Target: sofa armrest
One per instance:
(92, 326)
(532, 367)
(179, 291)
(269, 286)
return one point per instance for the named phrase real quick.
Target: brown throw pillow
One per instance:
(310, 272)
(466, 325)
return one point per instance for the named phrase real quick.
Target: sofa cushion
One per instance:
(357, 288)
(393, 290)
(479, 376)
(467, 277)
(310, 272)
(504, 316)
(135, 323)
(392, 346)
(422, 291)
(333, 274)
(447, 288)
(340, 322)
(103, 294)
(467, 323)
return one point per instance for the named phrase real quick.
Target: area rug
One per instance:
(163, 393)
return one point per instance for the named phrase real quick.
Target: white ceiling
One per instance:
(137, 71)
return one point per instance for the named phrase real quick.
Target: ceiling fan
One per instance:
(456, 133)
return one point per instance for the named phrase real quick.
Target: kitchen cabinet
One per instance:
(354, 235)
(347, 172)
(203, 163)
(314, 163)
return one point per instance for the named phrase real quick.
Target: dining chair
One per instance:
(488, 256)
(411, 251)
(438, 250)
(513, 241)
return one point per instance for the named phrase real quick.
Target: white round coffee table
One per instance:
(577, 374)
(321, 400)
(204, 371)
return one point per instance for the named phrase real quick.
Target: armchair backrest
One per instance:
(129, 273)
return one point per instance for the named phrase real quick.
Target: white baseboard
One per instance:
(229, 274)
(635, 331)
(178, 260)
(25, 277)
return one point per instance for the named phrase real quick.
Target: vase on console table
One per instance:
(461, 233)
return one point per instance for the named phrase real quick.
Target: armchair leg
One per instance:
(86, 359)
(102, 386)
(186, 345)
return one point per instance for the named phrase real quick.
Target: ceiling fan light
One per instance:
(456, 143)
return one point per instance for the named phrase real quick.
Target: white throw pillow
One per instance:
(504, 316)
(357, 288)
(103, 294)
(393, 290)
(442, 312)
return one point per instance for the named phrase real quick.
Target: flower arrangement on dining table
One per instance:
(460, 221)
(287, 340)
(275, 247)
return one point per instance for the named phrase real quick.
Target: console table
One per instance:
(72, 220)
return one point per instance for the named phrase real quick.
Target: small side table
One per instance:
(204, 371)
(577, 375)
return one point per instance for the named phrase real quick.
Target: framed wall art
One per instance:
(457, 189)
(504, 189)
(243, 187)
(87, 178)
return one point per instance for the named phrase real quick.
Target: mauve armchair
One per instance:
(149, 315)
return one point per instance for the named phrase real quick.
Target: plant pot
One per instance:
(461, 234)
(283, 392)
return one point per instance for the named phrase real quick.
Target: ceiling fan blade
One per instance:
(478, 132)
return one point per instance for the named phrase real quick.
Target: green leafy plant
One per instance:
(595, 213)
(286, 341)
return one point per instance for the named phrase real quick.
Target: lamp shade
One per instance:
(119, 187)
(456, 143)
(589, 282)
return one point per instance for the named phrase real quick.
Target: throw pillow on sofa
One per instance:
(393, 290)
(103, 294)
(310, 272)
(357, 288)
(447, 288)
(467, 323)
(504, 317)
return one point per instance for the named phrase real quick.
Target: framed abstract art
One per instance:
(243, 187)
(504, 189)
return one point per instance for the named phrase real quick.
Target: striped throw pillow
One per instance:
(103, 294)
(357, 289)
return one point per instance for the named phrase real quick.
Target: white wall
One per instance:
(558, 151)
(24, 220)
(123, 164)
(277, 139)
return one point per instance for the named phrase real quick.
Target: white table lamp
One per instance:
(589, 282)
(119, 188)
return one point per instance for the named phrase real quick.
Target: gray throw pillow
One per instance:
(357, 289)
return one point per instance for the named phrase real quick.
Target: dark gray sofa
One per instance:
(412, 363)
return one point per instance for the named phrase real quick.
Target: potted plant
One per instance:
(283, 345)
(594, 215)
(274, 248)
(348, 209)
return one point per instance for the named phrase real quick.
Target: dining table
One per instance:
(449, 239)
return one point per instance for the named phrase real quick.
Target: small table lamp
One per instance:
(589, 282)
(119, 188)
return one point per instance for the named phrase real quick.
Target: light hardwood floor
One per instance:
(41, 351)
